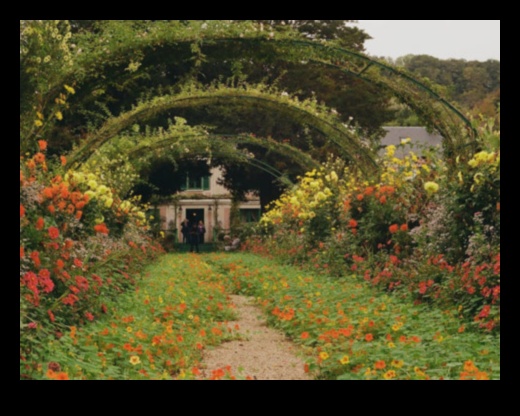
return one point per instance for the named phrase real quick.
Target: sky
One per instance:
(444, 39)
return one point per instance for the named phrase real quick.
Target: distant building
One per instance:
(205, 199)
(419, 135)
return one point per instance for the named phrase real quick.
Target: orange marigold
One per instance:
(380, 364)
(42, 144)
(369, 337)
(393, 228)
(304, 335)
(404, 227)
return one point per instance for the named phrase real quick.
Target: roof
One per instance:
(419, 135)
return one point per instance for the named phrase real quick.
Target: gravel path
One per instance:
(264, 354)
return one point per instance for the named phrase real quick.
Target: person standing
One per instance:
(194, 238)
(185, 230)
(202, 231)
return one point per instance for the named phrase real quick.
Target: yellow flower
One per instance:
(396, 327)
(397, 363)
(324, 355)
(59, 115)
(129, 329)
(38, 123)
(134, 360)
(161, 233)
(69, 89)
(406, 141)
(390, 150)
(344, 360)
(461, 179)
(431, 187)
(425, 168)
(391, 345)
(40, 115)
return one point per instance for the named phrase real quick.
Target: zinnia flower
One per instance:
(344, 360)
(389, 375)
(134, 360)
(393, 228)
(324, 355)
(42, 145)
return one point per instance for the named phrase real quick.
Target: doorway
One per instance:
(195, 215)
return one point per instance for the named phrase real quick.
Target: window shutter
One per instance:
(205, 183)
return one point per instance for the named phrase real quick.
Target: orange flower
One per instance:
(42, 144)
(39, 157)
(22, 252)
(380, 364)
(393, 228)
(369, 337)
(382, 200)
(469, 366)
(63, 160)
(101, 228)
(79, 214)
(369, 190)
(22, 211)
(304, 335)
(39, 223)
(51, 209)
(54, 233)
(404, 227)
(50, 374)
(359, 197)
(195, 371)
(352, 223)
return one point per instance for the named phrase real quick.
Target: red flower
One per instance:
(51, 315)
(352, 223)
(359, 197)
(39, 223)
(89, 316)
(35, 257)
(54, 233)
(63, 160)
(42, 144)
(404, 227)
(101, 228)
(22, 211)
(22, 252)
(305, 335)
(382, 200)
(369, 337)
(393, 228)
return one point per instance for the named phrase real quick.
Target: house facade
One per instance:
(204, 199)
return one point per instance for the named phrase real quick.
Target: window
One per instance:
(250, 215)
(196, 183)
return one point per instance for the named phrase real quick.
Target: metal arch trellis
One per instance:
(361, 66)
(334, 132)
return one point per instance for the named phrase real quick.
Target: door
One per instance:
(195, 215)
